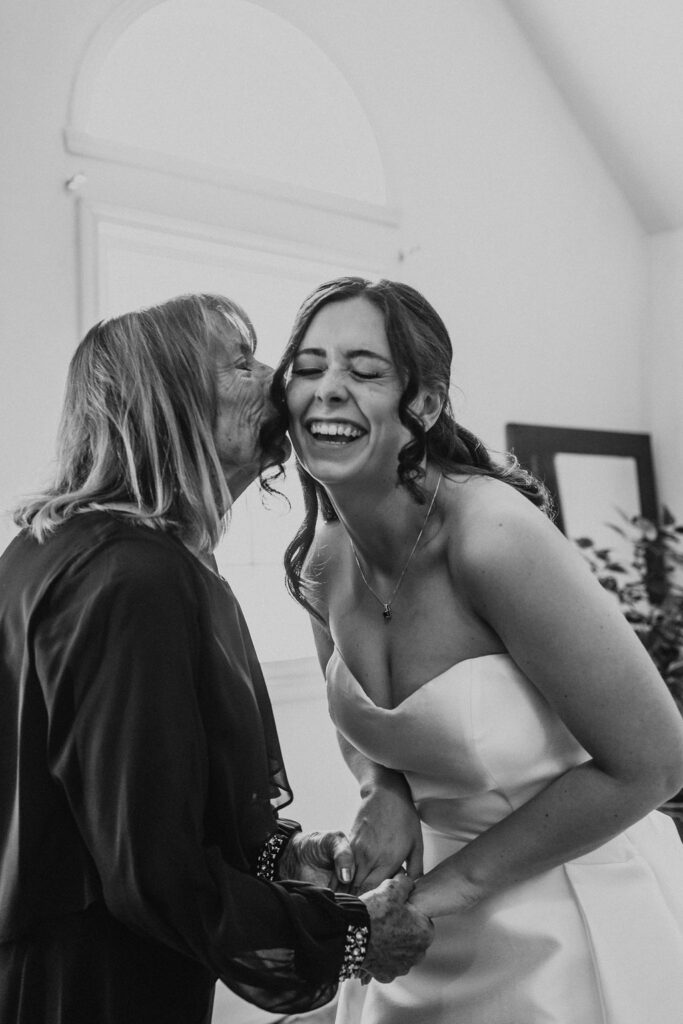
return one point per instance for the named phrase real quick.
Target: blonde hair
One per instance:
(136, 433)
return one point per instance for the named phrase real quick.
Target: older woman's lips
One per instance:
(273, 439)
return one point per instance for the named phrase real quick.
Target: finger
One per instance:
(415, 862)
(396, 889)
(402, 884)
(344, 861)
(371, 879)
(365, 862)
(375, 874)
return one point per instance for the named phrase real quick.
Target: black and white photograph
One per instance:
(341, 512)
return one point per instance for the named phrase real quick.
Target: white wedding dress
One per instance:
(598, 940)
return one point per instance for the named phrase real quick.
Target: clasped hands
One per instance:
(399, 933)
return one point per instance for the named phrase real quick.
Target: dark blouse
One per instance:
(139, 769)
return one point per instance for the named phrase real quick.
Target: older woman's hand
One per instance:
(322, 858)
(399, 933)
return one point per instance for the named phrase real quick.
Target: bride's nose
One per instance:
(331, 385)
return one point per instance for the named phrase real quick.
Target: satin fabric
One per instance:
(598, 940)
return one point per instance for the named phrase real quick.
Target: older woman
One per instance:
(140, 767)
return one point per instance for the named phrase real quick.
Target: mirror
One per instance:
(591, 474)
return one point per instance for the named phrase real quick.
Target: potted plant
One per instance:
(647, 584)
(648, 587)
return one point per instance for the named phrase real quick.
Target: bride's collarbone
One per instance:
(431, 627)
(392, 660)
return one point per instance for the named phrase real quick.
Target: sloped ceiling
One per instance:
(619, 66)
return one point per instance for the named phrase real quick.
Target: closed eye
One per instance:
(312, 371)
(305, 371)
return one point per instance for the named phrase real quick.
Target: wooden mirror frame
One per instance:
(536, 448)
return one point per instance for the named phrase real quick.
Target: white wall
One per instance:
(663, 364)
(522, 241)
(512, 227)
(42, 43)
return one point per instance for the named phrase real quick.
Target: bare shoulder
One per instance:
(492, 526)
(478, 504)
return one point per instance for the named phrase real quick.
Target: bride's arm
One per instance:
(386, 831)
(568, 636)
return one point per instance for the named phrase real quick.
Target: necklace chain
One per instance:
(386, 605)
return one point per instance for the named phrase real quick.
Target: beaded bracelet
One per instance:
(355, 948)
(268, 856)
(357, 935)
(271, 851)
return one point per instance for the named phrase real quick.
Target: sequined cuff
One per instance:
(355, 948)
(272, 849)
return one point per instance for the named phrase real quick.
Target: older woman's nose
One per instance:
(262, 370)
(264, 375)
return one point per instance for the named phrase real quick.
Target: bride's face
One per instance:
(343, 394)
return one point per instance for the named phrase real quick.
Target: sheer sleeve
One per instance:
(118, 654)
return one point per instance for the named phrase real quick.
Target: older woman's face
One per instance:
(244, 405)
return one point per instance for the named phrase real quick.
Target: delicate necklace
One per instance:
(386, 605)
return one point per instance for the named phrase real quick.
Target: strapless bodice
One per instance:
(479, 734)
(567, 946)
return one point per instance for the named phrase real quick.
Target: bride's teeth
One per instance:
(321, 429)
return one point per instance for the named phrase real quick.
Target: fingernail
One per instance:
(346, 874)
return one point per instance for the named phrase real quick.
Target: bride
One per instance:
(490, 698)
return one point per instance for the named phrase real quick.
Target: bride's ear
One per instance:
(428, 405)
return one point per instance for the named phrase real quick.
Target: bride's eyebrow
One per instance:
(356, 353)
(310, 352)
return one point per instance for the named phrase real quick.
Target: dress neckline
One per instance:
(429, 682)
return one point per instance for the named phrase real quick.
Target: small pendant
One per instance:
(386, 614)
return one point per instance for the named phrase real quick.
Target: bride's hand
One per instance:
(386, 834)
(321, 858)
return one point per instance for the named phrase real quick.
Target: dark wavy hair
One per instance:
(422, 352)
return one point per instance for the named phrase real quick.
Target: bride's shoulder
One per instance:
(471, 495)
(486, 515)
